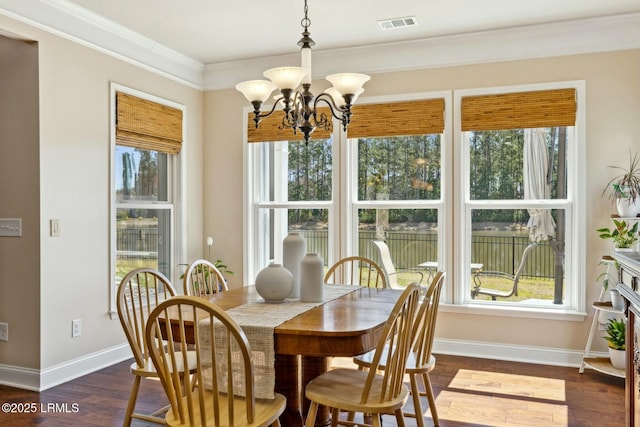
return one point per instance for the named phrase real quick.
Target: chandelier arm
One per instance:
(345, 111)
(328, 99)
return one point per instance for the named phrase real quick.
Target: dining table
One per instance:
(346, 326)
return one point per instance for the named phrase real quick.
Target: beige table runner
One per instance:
(258, 320)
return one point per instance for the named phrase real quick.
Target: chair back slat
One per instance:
(358, 271)
(394, 345)
(424, 328)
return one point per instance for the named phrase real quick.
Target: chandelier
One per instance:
(300, 105)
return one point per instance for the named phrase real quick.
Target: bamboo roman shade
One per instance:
(270, 131)
(546, 108)
(147, 125)
(422, 117)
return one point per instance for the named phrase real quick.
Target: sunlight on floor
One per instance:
(531, 401)
(509, 384)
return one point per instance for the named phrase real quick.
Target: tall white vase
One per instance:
(293, 249)
(312, 278)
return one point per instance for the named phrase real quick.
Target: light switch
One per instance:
(54, 227)
(10, 227)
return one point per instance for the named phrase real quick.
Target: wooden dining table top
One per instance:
(345, 326)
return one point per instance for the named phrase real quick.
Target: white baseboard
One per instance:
(509, 352)
(39, 380)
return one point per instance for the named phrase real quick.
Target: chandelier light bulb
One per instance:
(256, 90)
(348, 83)
(286, 77)
(337, 96)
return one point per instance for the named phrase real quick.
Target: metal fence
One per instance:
(408, 248)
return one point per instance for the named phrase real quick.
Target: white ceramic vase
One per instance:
(294, 247)
(312, 278)
(274, 283)
(618, 358)
(628, 209)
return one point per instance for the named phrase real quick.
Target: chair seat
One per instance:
(342, 388)
(364, 361)
(148, 370)
(266, 411)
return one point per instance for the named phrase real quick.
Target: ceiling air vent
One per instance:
(390, 24)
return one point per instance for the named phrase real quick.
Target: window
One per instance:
(397, 156)
(462, 204)
(519, 156)
(387, 188)
(147, 142)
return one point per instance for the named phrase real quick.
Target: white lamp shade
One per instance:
(256, 90)
(348, 83)
(286, 77)
(337, 97)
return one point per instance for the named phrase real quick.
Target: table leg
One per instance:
(311, 368)
(288, 384)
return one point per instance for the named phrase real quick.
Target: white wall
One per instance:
(73, 186)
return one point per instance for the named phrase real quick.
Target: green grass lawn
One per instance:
(528, 288)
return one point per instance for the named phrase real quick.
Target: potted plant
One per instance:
(624, 235)
(624, 189)
(616, 333)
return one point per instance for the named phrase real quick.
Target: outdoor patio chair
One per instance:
(515, 279)
(390, 271)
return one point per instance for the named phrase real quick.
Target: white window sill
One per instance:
(519, 312)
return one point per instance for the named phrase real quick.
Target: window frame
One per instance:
(176, 188)
(575, 305)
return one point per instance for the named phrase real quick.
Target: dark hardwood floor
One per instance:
(469, 392)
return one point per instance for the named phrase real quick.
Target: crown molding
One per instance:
(74, 23)
(65, 19)
(611, 33)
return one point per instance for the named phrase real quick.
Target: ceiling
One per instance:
(212, 44)
(212, 31)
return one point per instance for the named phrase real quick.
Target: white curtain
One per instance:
(536, 186)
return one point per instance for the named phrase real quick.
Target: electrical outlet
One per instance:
(76, 328)
(4, 332)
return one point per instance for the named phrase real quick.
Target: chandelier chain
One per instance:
(305, 22)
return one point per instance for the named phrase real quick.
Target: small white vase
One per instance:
(312, 278)
(626, 208)
(293, 249)
(274, 283)
(618, 358)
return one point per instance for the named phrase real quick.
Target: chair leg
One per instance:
(399, 418)
(431, 399)
(335, 416)
(311, 414)
(417, 405)
(132, 401)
